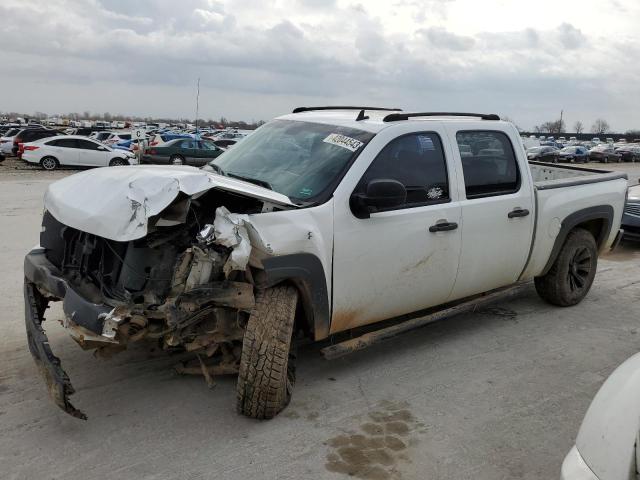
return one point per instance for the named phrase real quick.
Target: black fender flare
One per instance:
(306, 272)
(599, 212)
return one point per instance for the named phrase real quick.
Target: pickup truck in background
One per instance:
(322, 221)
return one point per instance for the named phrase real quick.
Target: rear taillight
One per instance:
(29, 148)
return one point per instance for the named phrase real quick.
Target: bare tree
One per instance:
(578, 127)
(555, 126)
(600, 126)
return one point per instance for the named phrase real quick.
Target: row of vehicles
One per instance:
(51, 148)
(603, 152)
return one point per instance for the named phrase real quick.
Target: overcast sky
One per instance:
(260, 58)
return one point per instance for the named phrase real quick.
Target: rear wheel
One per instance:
(571, 276)
(49, 163)
(267, 364)
(118, 162)
(176, 160)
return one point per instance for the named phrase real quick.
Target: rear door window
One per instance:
(63, 142)
(492, 168)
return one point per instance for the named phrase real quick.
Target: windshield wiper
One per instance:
(256, 181)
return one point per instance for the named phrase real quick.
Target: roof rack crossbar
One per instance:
(341, 107)
(394, 117)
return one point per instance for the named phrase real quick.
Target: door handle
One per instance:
(518, 212)
(443, 227)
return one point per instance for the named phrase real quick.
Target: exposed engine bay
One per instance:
(186, 285)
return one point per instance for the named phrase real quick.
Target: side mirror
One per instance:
(380, 194)
(102, 149)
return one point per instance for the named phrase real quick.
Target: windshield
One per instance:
(298, 159)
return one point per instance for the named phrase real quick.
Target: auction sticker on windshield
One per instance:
(343, 141)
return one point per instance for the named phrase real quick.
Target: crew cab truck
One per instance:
(323, 220)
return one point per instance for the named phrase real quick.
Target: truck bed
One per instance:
(562, 190)
(546, 176)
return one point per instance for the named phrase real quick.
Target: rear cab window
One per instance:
(492, 168)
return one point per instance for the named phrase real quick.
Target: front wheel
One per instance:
(267, 363)
(118, 162)
(177, 160)
(570, 278)
(49, 163)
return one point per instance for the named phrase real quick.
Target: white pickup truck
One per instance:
(323, 221)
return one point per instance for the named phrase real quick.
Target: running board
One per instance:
(371, 338)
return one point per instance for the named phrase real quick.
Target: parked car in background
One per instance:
(116, 137)
(162, 138)
(629, 153)
(128, 145)
(604, 153)
(543, 154)
(30, 135)
(229, 135)
(607, 446)
(6, 142)
(100, 136)
(76, 150)
(576, 154)
(631, 215)
(227, 143)
(182, 151)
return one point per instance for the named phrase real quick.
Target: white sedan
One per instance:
(607, 445)
(75, 150)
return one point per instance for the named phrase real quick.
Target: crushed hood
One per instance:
(116, 202)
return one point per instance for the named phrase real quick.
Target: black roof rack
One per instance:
(311, 109)
(394, 117)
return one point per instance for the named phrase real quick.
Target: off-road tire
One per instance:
(571, 276)
(176, 158)
(118, 162)
(267, 364)
(49, 163)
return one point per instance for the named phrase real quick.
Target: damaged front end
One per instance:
(185, 284)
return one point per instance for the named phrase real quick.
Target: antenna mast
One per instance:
(197, 105)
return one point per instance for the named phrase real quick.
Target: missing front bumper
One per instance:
(57, 380)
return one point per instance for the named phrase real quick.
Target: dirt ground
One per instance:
(498, 394)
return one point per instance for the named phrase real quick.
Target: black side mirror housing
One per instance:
(380, 194)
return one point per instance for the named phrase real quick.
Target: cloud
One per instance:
(258, 59)
(441, 38)
(571, 37)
